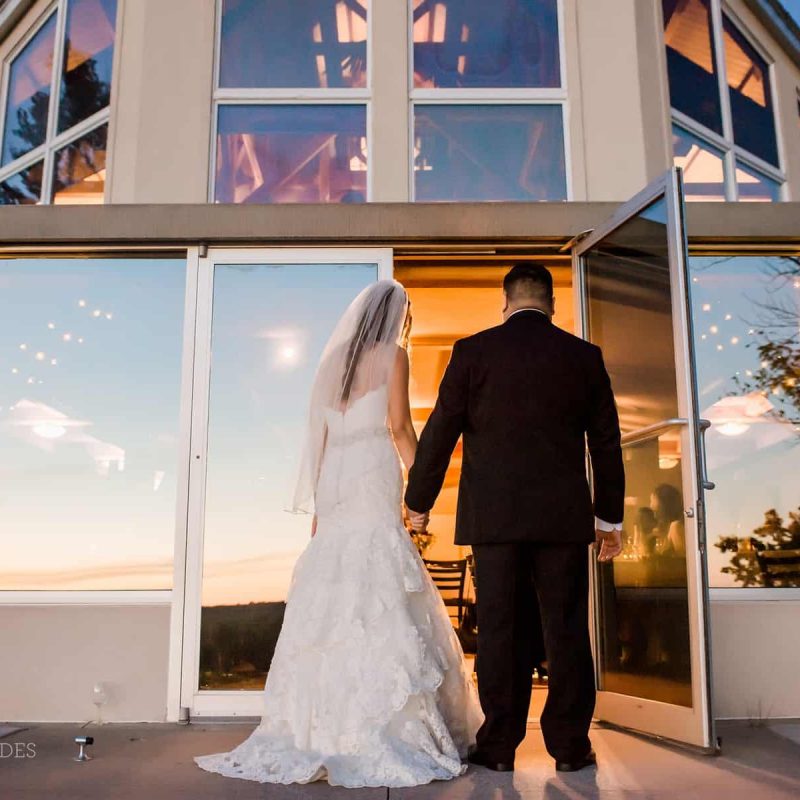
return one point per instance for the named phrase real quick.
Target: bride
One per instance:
(368, 685)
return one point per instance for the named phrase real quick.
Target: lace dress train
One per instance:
(368, 684)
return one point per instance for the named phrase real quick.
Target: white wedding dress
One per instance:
(368, 684)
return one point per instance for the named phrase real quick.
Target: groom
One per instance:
(528, 397)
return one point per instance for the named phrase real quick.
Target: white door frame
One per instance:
(183, 699)
(693, 725)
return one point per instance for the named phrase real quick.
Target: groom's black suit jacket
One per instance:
(527, 397)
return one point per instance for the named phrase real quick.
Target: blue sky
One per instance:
(793, 7)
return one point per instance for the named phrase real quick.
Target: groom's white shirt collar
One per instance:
(526, 309)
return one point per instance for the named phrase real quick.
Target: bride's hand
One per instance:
(314, 525)
(419, 520)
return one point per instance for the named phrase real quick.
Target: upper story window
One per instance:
(291, 102)
(724, 133)
(488, 97)
(56, 94)
(293, 93)
(479, 45)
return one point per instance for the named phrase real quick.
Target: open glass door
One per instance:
(263, 317)
(651, 647)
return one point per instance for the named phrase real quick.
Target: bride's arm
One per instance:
(314, 519)
(405, 436)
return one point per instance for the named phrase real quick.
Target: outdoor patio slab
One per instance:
(154, 762)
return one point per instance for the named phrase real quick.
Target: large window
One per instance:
(488, 96)
(293, 92)
(90, 357)
(723, 117)
(56, 94)
(746, 312)
(291, 102)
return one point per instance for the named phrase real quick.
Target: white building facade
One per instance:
(195, 189)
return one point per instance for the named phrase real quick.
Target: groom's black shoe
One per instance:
(589, 760)
(476, 756)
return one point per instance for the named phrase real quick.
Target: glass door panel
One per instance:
(268, 317)
(650, 602)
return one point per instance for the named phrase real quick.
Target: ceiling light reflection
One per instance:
(49, 430)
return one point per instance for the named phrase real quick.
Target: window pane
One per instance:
(89, 401)
(746, 312)
(693, 81)
(88, 58)
(703, 170)
(472, 43)
(28, 94)
(754, 186)
(751, 99)
(79, 173)
(292, 154)
(24, 188)
(489, 152)
(316, 43)
(270, 323)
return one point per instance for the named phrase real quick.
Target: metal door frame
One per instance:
(693, 726)
(184, 700)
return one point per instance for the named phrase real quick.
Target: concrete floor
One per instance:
(154, 761)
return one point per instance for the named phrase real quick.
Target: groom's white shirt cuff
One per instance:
(602, 525)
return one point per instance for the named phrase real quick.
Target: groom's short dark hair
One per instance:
(528, 280)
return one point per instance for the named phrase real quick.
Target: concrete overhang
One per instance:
(390, 224)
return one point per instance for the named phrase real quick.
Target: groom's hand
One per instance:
(608, 544)
(418, 519)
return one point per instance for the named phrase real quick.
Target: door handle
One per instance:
(704, 425)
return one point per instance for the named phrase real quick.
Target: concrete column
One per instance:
(161, 112)
(621, 99)
(389, 132)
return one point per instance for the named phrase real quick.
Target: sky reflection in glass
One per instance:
(90, 357)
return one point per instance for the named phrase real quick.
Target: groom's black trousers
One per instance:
(507, 575)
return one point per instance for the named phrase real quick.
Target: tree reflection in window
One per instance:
(80, 169)
(746, 312)
(83, 76)
(28, 94)
(24, 188)
(88, 59)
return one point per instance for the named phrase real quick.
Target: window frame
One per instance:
(283, 96)
(55, 141)
(731, 152)
(528, 96)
